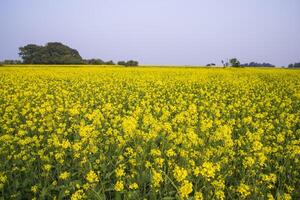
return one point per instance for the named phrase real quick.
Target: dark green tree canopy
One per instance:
(122, 63)
(93, 61)
(129, 63)
(51, 53)
(234, 62)
(255, 64)
(295, 65)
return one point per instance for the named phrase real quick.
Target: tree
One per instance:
(122, 63)
(11, 62)
(255, 64)
(211, 64)
(295, 65)
(29, 52)
(132, 63)
(93, 61)
(51, 53)
(109, 63)
(234, 62)
(129, 63)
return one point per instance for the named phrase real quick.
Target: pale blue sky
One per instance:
(178, 32)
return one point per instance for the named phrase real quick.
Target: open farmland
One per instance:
(149, 133)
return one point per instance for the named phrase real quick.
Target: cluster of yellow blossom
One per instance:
(149, 133)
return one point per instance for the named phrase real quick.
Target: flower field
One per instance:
(149, 133)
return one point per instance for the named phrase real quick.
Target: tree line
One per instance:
(58, 53)
(295, 65)
(234, 62)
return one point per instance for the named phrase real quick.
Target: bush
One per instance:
(130, 63)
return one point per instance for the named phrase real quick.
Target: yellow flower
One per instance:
(148, 165)
(170, 153)
(156, 178)
(47, 167)
(120, 172)
(209, 170)
(133, 186)
(248, 162)
(119, 186)
(219, 194)
(78, 195)
(64, 175)
(198, 196)
(269, 179)
(285, 196)
(34, 188)
(243, 190)
(159, 161)
(92, 177)
(129, 125)
(3, 179)
(180, 173)
(185, 189)
(270, 196)
(65, 144)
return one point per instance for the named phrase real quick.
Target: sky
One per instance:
(157, 32)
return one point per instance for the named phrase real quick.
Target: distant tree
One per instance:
(295, 65)
(132, 63)
(29, 52)
(255, 64)
(109, 62)
(93, 61)
(122, 63)
(211, 64)
(51, 53)
(11, 62)
(234, 62)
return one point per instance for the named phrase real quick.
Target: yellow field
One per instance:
(149, 133)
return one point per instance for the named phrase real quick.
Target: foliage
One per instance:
(109, 62)
(149, 133)
(94, 61)
(51, 53)
(130, 63)
(10, 62)
(295, 65)
(234, 62)
(254, 64)
(122, 63)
